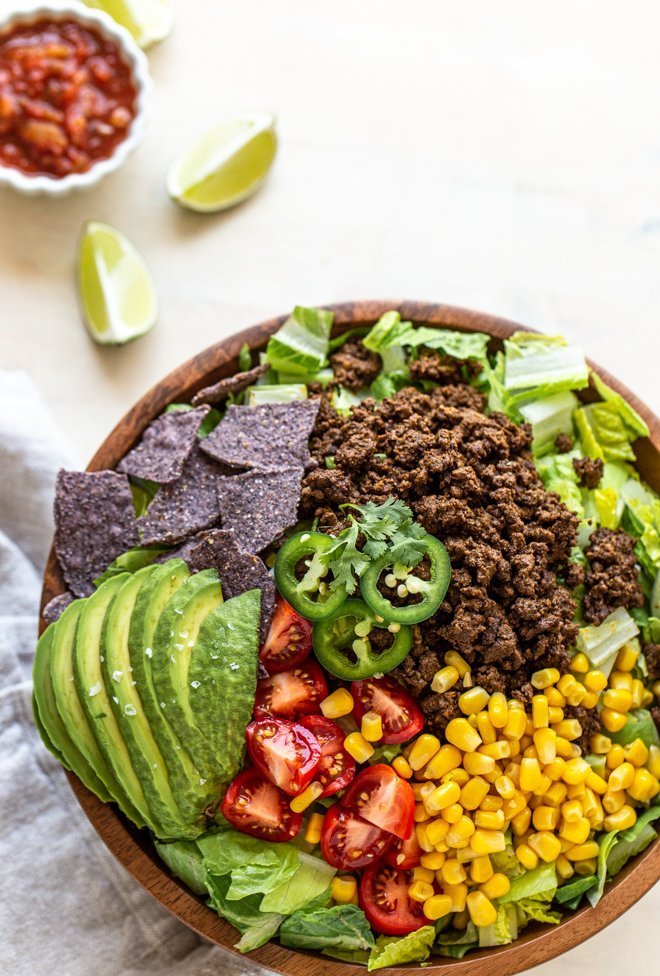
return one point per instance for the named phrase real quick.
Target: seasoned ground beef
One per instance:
(432, 365)
(564, 443)
(470, 480)
(612, 579)
(354, 365)
(589, 471)
(652, 655)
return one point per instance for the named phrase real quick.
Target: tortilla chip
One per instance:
(56, 607)
(164, 447)
(258, 505)
(94, 523)
(264, 436)
(230, 384)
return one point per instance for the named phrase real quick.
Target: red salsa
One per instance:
(67, 97)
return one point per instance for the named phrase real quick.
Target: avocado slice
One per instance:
(170, 582)
(146, 758)
(93, 694)
(71, 712)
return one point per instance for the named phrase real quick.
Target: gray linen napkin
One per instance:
(66, 906)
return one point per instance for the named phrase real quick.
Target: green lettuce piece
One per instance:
(601, 643)
(184, 859)
(558, 474)
(571, 894)
(415, 947)
(631, 419)
(130, 562)
(342, 927)
(538, 911)
(343, 400)
(455, 950)
(312, 879)
(300, 346)
(506, 862)
(503, 930)
(549, 417)
(654, 601)
(321, 376)
(257, 927)
(356, 333)
(252, 879)
(386, 332)
(244, 358)
(633, 840)
(358, 957)
(639, 725)
(605, 844)
(540, 883)
(536, 366)
(456, 942)
(603, 433)
(458, 345)
(282, 393)
(231, 850)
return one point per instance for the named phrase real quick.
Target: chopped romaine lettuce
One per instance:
(601, 643)
(184, 859)
(300, 346)
(507, 863)
(558, 474)
(458, 345)
(540, 883)
(536, 366)
(283, 393)
(244, 358)
(549, 417)
(639, 725)
(603, 433)
(131, 561)
(571, 894)
(503, 930)
(321, 376)
(385, 333)
(312, 879)
(633, 840)
(231, 850)
(629, 416)
(342, 400)
(605, 844)
(415, 947)
(536, 910)
(654, 602)
(342, 927)
(257, 927)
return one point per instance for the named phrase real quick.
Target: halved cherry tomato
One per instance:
(401, 717)
(336, 767)
(289, 694)
(255, 806)
(286, 753)
(385, 901)
(289, 640)
(405, 854)
(382, 798)
(348, 842)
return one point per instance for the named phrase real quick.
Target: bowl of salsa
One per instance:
(73, 92)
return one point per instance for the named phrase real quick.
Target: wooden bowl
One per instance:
(133, 847)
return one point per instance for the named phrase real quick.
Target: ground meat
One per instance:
(652, 655)
(612, 579)
(655, 715)
(564, 443)
(354, 365)
(589, 721)
(469, 479)
(432, 365)
(589, 471)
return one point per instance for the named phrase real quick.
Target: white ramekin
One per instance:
(23, 12)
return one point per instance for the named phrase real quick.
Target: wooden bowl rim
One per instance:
(134, 850)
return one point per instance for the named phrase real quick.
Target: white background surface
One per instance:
(503, 156)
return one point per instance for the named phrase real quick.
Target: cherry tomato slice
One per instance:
(287, 754)
(289, 694)
(401, 717)
(255, 806)
(349, 843)
(405, 854)
(382, 798)
(385, 901)
(336, 767)
(289, 640)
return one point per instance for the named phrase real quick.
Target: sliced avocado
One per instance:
(169, 582)
(93, 693)
(124, 690)
(71, 712)
(45, 738)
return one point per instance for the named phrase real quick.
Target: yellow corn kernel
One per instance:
(460, 776)
(576, 832)
(564, 868)
(402, 767)
(444, 679)
(456, 660)
(556, 794)
(453, 813)
(649, 693)
(453, 872)
(481, 909)
(432, 861)
(489, 819)
(644, 786)
(498, 710)
(545, 818)
(458, 894)
(568, 728)
(614, 800)
(481, 869)
(527, 857)
(496, 750)
(575, 771)
(314, 828)
(545, 844)
(442, 796)
(577, 694)
(621, 820)
(653, 764)
(555, 698)
(485, 728)
(612, 719)
(514, 806)
(636, 753)
(621, 679)
(543, 786)
(305, 799)
(461, 734)
(621, 777)
(600, 744)
(423, 874)
(420, 891)
(545, 743)
(615, 756)
(424, 749)
(582, 852)
(555, 769)
(460, 832)
(530, 752)
(595, 782)
(476, 764)
(465, 855)
(474, 792)
(590, 700)
(422, 838)
(626, 658)
(371, 727)
(473, 701)
(530, 775)
(572, 811)
(437, 906)
(491, 803)
(545, 678)
(587, 868)
(520, 823)
(592, 806)
(472, 719)
(420, 813)
(338, 704)
(344, 890)
(540, 712)
(566, 684)
(576, 791)
(579, 663)
(505, 787)
(496, 886)
(567, 750)
(357, 746)
(637, 693)
(447, 757)
(555, 714)
(516, 724)
(512, 770)
(595, 681)
(618, 699)
(436, 831)
(487, 841)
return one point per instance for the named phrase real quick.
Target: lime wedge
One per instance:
(117, 293)
(149, 21)
(225, 165)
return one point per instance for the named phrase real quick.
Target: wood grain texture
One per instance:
(133, 848)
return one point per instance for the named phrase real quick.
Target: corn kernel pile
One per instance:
(501, 767)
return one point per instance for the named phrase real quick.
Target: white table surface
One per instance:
(504, 157)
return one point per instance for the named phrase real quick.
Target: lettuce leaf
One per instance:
(300, 346)
(540, 883)
(536, 366)
(343, 400)
(601, 643)
(184, 859)
(503, 930)
(639, 725)
(415, 947)
(257, 927)
(558, 474)
(231, 850)
(506, 862)
(571, 894)
(130, 562)
(605, 844)
(458, 345)
(538, 911)
(549, 417)
(278, 393)
(343, 927)
(633, 840)
(603, 433)
(636, 426)
(312, 878)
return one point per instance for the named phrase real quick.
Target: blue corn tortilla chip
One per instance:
(56, 607)
(185, 506)
(94, 523)
(219, 391)
(164, 446)
(259, 505)
(264, 436)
